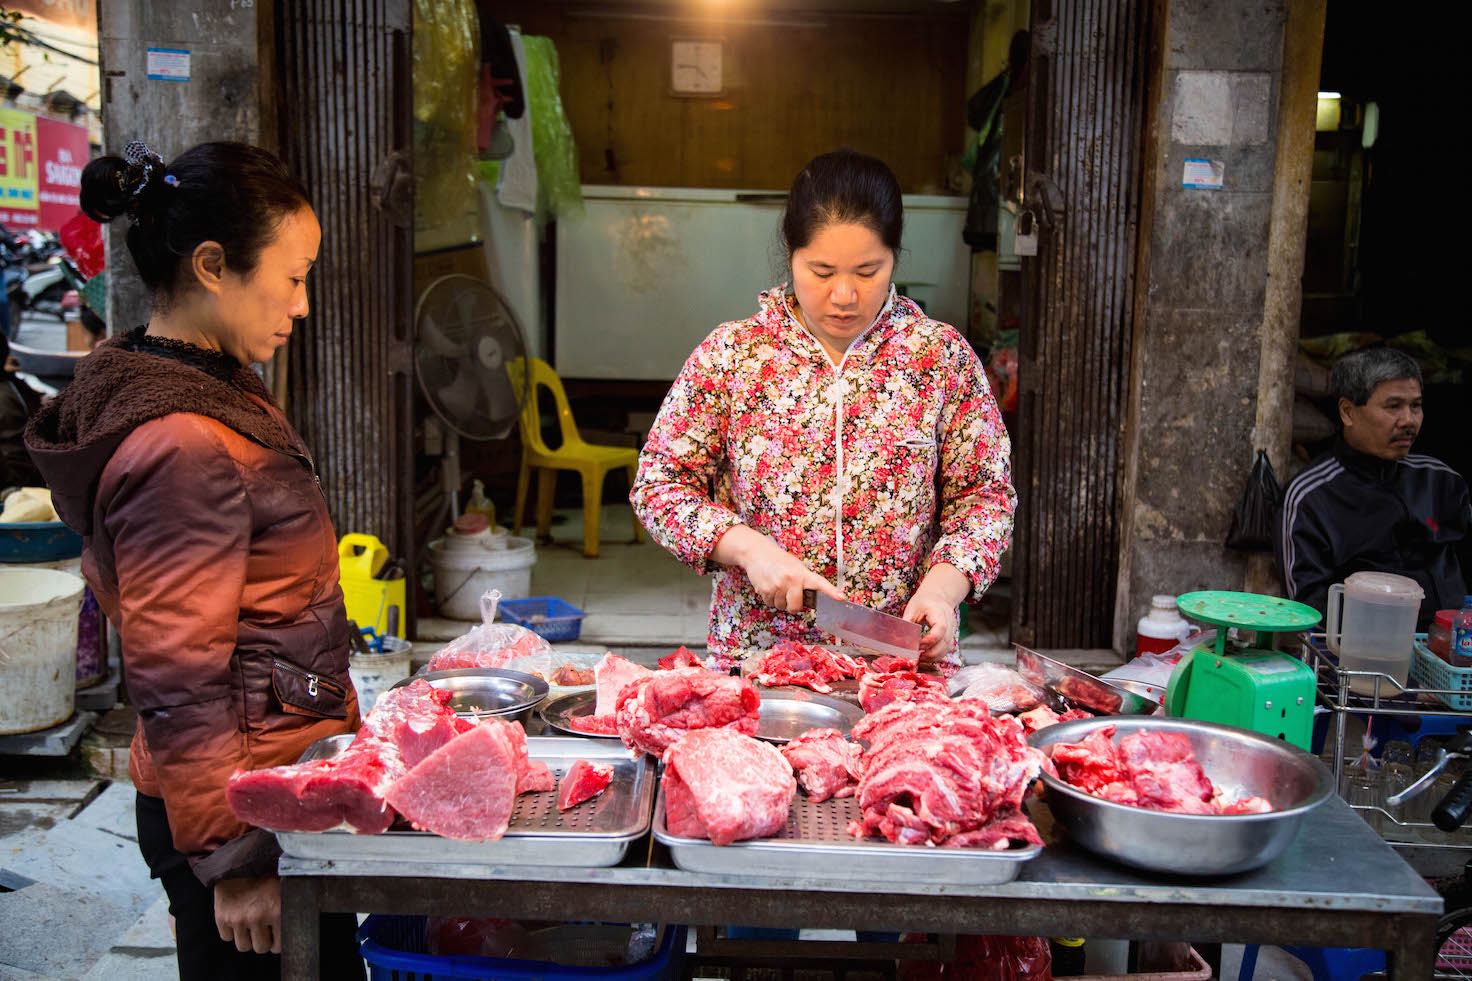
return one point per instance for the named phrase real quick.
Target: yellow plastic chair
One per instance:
(590, 460)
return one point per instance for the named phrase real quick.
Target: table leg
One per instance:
(1414, 956)
(301, 929)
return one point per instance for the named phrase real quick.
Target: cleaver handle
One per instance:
(809, 599)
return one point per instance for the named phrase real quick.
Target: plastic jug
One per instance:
(1162, 628)
(1371, 625)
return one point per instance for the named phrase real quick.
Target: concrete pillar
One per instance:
(219, 101)
(1217, 318)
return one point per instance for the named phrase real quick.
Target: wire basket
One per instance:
(553, 619)
(1434, 673)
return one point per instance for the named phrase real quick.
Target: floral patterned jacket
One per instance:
(869, 471)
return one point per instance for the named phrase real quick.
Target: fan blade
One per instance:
(501, 396)
(437, 340)
(458, 399)
(470, 311)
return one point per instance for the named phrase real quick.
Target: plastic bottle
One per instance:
(1462, 635)
(1162, 628)
(1068, 956)
(480, 504)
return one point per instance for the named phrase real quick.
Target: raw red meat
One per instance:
(612, 675)
(572, 676)
(725, 786)
(594, 725)
(1154, 770)
(888, 663)
(827, 764)
(878, 690)
(681, 658)
(945, 774)
(535, 778)
(656, 711)
(467, 788)
(489, 646)
(811, 666)
(1042, 717)
(347, 790)
(583, 781)
(416, 718)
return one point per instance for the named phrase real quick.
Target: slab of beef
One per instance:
(406, 725)
(594, 725)
(656, 712)
(879, 690)
(681, 658)
(827, 764)
(811, 666)
(612, 675)
(1043, 716)
(583, 781)
(1154, 770)
(725, 786)
(945, 774)
(345, 791)
(887, 663)
(467, 788)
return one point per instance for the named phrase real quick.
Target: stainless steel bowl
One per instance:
(488, 693)
(788, 713)
(1237, 761)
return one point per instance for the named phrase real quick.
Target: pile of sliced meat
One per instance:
(827, 764)
(878, 690)
(945, 773)
(1043, 716)
(725, 786)
(1150, 769)
(611, 676)
(655, 712)
(413, 757)
(811, 666)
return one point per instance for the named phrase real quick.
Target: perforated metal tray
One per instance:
(593, 834)
(816, 844)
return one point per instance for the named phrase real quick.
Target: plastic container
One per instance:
(1371, 626)
(38, 648)
(38, 541)
(549, 617)
(1461, 647)
(369, 600)
(374, 674)
(1162, 628)
(394, 947)
(1198, 971)
(462, 572)
(1439, 636)
(1432, 672)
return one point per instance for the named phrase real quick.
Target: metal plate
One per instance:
(787, 713)
(1270, 614)
(487, 693)
(594, 834)
(816, 844)
(579, 705)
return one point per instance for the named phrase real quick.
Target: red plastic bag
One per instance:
(986, 959)
(82, 238)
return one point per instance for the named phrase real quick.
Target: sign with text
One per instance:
(41, 163)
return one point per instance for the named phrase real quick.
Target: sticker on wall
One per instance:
(1205, 175)
(168, 64)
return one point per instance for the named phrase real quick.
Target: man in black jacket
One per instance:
(1370, 504)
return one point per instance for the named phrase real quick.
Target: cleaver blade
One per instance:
(863, 627)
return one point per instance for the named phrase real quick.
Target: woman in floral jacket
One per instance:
(837, 440)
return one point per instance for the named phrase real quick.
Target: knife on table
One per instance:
(863, 627)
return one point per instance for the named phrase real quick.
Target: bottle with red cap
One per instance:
(1162, 628)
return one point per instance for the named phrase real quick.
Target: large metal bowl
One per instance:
(488, 693)
(1237, 761)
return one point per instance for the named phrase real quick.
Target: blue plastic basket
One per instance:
(38, 541)
(394, 947)
(1432, 672)
(554, 620)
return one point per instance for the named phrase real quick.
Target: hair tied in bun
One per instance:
(134, 179)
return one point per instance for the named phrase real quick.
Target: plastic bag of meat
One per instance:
(489, 645)
(1003, 689)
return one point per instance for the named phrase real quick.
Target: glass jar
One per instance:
(1439, 635)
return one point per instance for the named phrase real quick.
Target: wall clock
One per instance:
(695, 66)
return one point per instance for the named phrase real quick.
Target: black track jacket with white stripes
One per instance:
(1350, 512)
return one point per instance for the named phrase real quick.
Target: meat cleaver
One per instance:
(863, 627)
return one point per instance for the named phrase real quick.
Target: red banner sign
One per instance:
(41, 163)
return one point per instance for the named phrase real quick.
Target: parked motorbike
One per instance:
(37, 274)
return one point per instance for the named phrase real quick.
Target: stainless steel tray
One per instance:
(487, 693)
(787, 713)
(816, 844)
(556, 712)
(595, 834)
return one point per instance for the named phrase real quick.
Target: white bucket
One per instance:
(374, 674)
(38, 648)
(462, 575)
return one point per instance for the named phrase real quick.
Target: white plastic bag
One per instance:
(489, 645)
(1001, 688)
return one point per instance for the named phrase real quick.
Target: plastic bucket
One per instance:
(374, 674)
(461, 575)
(38, 648)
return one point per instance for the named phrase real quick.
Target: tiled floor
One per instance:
(639, 596)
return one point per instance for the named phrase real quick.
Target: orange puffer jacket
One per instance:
(209, 545)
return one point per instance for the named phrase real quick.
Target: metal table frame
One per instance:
(1339, 886)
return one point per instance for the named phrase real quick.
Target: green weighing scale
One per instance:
(1262, 689)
